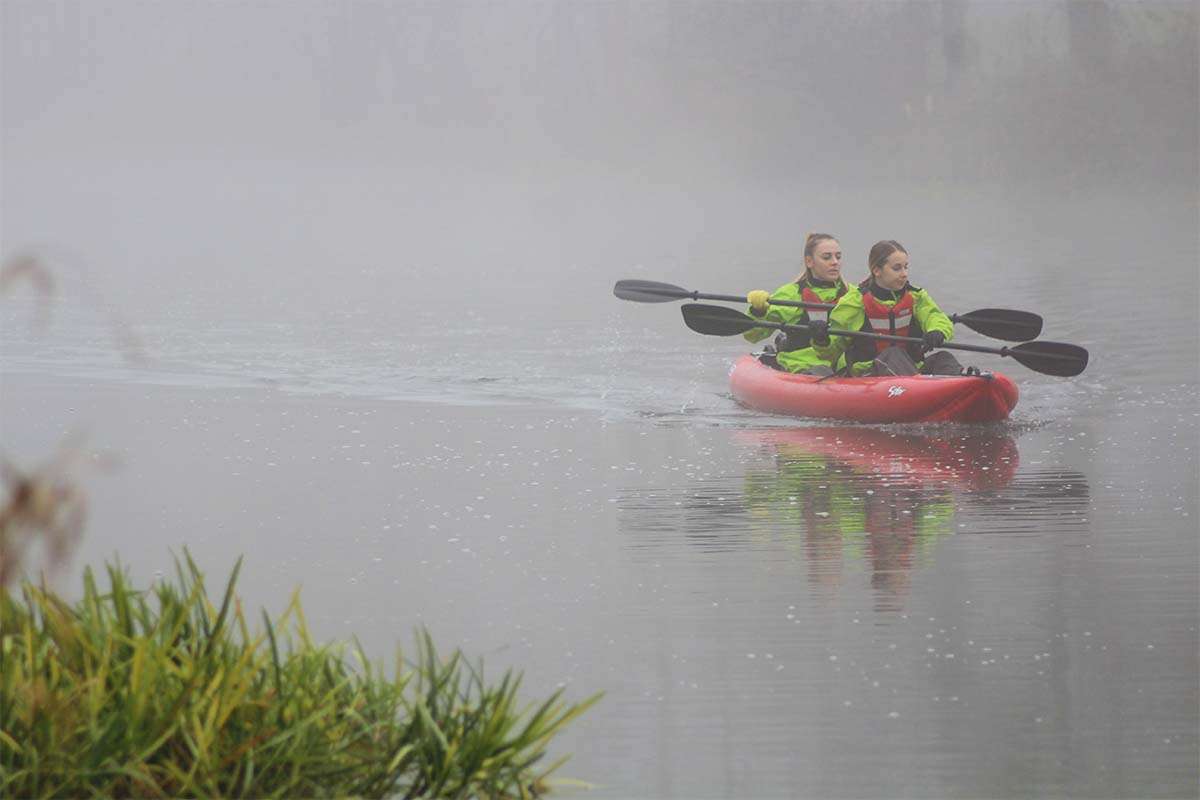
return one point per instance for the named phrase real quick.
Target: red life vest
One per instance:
(809, 296)
(896, 320)
(797, 340)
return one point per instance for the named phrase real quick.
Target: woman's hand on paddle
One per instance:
(933, 340)
(758, 301)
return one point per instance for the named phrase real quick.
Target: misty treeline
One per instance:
(950, 90)
(858, 92)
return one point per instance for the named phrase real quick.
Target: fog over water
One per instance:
(299, 157)
(367, 251)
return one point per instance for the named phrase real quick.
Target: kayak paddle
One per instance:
(1049, 358)
(655, 292)
(1002, 323)
(996, 323)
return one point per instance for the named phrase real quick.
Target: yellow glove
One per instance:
(758, 302)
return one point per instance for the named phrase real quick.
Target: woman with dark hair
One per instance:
(887, 303)
(821, 282)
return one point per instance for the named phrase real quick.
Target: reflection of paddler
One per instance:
(813, 495)
(871, 494)
(969, 461)
(902, 522)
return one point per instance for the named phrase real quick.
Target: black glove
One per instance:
(818, 329)
(934, 340)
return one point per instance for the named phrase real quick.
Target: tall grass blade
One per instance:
(160, 694)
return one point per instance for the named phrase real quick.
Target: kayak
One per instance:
(986, 397)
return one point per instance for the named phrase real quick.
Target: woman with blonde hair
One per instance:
(821, 282)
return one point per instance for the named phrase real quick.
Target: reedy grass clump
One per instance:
(161, 693)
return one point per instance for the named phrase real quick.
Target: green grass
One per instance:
(162, 693)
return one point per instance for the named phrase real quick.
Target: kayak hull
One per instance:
(989, 397)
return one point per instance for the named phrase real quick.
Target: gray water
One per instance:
(333, 286)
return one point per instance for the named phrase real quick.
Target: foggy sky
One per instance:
(252, 149)
(506, 86)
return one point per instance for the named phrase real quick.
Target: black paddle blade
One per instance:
(717, 320)
(1003, 323)
(649, 291)
(1051, 358)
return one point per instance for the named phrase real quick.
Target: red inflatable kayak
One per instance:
(918, 398)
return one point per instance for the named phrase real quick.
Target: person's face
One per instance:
(894, 272)
(826, 260)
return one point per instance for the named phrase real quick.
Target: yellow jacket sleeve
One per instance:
(930, 317)
(784, 314)
(758, 334)
(847, 315)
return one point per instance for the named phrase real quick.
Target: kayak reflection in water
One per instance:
(887, 303)
(821, 282)
(871, 495)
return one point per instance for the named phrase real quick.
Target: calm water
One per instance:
(773, 607)
(367, 253)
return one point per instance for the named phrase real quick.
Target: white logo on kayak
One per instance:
(895, 391)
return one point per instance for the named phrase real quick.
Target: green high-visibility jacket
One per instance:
(803, 358)
(849, 315)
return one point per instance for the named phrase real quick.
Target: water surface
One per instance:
(333, 282)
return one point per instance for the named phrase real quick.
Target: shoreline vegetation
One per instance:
(164, 693)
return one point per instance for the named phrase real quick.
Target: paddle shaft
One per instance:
(887, 337)
(1050, 358)
(736, 298)
(955, 318)
(998, 323)
(741, 298)
(679, 293)
(792, 304)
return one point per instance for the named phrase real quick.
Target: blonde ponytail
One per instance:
(810, 243)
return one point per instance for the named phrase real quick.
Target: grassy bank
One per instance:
(164, 693)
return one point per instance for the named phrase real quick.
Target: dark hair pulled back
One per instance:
(880, 252)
